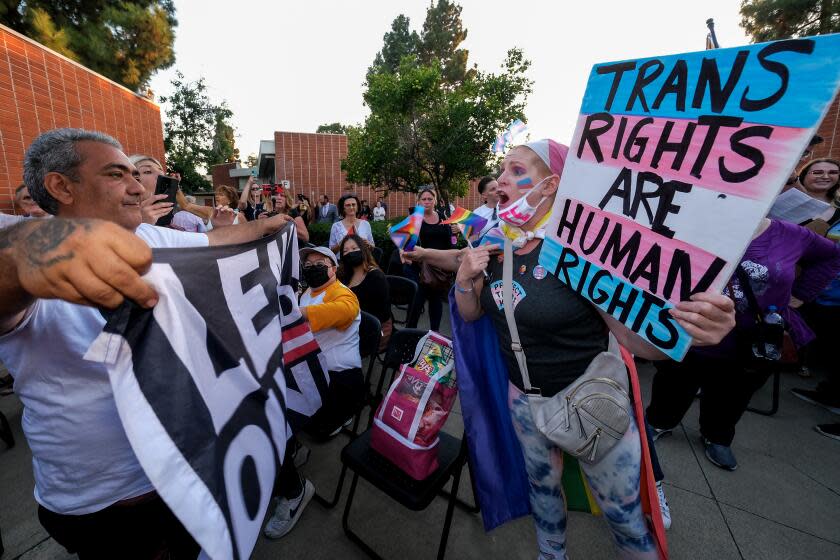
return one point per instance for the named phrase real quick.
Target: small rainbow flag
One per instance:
(470, 223)
(405, 234)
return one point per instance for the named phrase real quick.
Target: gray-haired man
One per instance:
(94, 497)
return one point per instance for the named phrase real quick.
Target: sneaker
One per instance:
(657, 433)
(817, 398)
(829, 430)
(301, 455)
(287, 513)
(663, 506)
(720, 455)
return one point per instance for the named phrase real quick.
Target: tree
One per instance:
(442, 33)
(397, 43)
(224, 148)
(332, 128)
(423, 130)
(196, 133)
(767, 20)
(126, 41)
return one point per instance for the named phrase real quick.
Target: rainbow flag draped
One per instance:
(405, 234)
(469, 223)
(507, 138)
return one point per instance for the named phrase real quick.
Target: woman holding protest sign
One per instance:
(558, 334)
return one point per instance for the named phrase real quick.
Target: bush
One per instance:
(319, 234)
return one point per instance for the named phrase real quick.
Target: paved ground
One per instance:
(782, 503)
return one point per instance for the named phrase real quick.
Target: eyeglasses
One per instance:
(320, 264)
(821, 172)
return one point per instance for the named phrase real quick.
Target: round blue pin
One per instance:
(539, 272)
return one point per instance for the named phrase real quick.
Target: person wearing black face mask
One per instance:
(332, 311)
(357, 270)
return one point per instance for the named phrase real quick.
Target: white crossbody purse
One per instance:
(590, 416)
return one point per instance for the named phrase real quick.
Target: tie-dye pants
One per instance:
(614, 482)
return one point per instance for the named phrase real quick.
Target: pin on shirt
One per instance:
(539, 272)
(522, 269)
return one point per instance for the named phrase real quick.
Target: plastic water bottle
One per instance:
(771, 350)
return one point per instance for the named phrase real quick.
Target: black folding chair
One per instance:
(403, 293)
(377, 253)
(370, 333)
(6, 435)
(416, 495)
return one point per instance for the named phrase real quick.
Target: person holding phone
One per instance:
(252, 201)
(153, 205)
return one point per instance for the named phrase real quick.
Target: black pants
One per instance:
(822, 352)
(288, 483)
(727, 387)
(344, 398)
(425, 295)
(143, 531)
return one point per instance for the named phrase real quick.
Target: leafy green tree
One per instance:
(424, 130)
(224, 148)
(196, 133)
(127, 41)
(332, 128)
(767, 20)
(397, 43)
(442, 33)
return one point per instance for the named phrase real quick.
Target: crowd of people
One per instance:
(81, 240)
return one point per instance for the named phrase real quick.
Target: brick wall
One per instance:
(312, 163)
(830, 131)
(41, 90)
(221, 175)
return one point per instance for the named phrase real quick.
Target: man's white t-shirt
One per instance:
(9, 220)
(81, 457)
(488, 214)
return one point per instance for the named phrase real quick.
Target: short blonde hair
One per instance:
(137, 159)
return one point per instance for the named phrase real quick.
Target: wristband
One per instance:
(465, 290)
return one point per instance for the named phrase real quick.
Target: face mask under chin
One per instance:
(520, 211)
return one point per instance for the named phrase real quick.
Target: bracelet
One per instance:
(464, 290)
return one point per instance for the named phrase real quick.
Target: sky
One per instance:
(293, 65)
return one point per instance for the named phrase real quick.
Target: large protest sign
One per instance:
(211, 382)
(673, 164)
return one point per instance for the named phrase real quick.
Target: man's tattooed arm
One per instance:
(32, 244)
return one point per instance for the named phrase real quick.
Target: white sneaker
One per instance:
(288, 512)
(663, 506)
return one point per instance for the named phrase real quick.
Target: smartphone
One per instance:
(254, 173)
(169, 187)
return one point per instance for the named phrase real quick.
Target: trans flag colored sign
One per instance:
(674, 162)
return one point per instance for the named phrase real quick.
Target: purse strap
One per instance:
(507, 302)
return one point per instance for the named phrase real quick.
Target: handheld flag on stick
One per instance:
(506, 138)
(405, 233)
(470, 223)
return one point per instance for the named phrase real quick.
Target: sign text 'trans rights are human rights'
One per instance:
(674, 162)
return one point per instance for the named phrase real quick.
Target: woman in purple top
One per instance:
(727, 380)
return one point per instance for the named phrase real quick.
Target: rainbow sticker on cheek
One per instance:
(524, 183)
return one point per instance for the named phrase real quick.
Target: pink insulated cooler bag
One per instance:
(415, 408)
